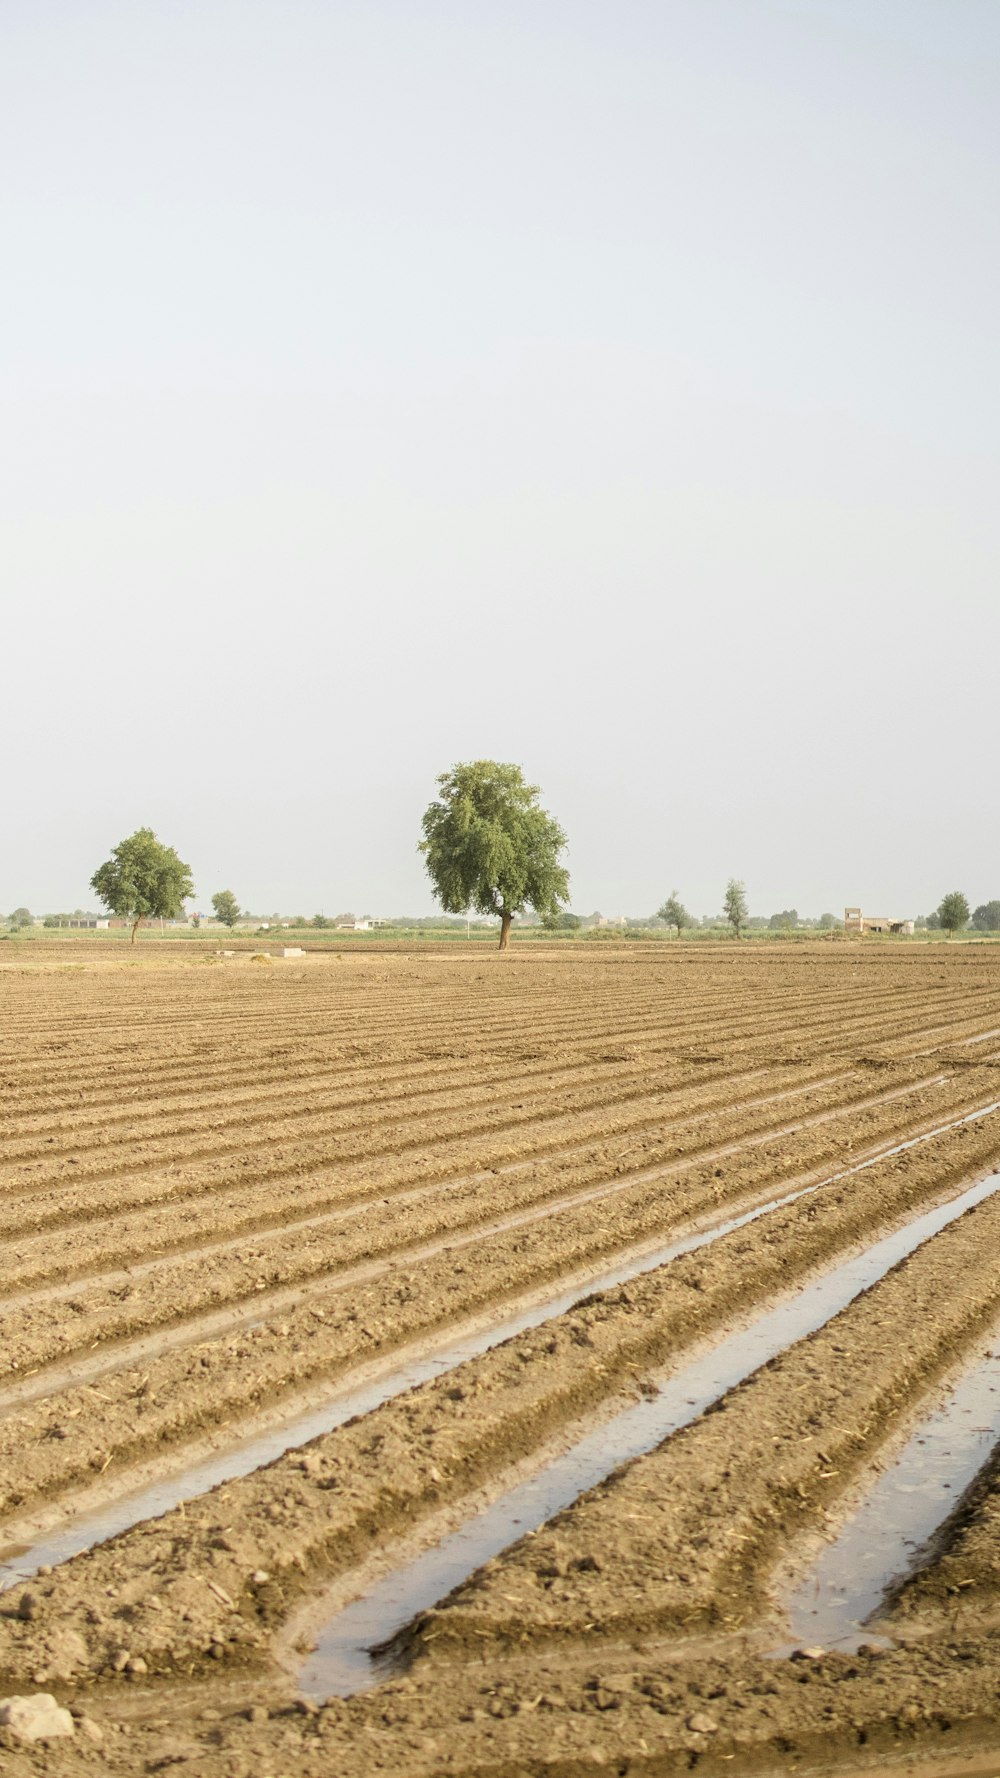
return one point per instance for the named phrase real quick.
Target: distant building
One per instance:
(149, 922)
(857, 922)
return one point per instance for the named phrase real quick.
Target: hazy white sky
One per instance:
(607, 387)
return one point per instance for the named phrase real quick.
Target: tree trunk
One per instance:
(135, 928)
(505, 920)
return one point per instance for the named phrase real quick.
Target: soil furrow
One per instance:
(373, 1239)
(709, 1511)
(105, 1310)
(609, 1340)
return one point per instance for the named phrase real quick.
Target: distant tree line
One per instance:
(490, 850)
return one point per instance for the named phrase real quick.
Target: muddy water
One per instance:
(343, 1661)
(888, 1536)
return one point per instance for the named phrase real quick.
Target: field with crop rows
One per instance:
(606, 1337)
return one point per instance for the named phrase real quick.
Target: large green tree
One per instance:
(735, 906)
(985, 919)
(488, 845)
(953, 913)
(143, 879)
(674, 913)
(226, 907)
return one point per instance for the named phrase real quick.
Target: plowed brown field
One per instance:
(544, 1316)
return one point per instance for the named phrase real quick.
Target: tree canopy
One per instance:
(953, 911)
(785, 921)
(674, 913)
(987, 917)
(735, 906)
(226, 907)
(489, 846)
(143, 879)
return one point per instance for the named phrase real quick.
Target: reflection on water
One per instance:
(342, 1662)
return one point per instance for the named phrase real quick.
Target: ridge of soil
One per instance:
(228, 1192)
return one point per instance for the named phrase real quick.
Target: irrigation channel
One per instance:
(242, 1458)
(47, 1378)
(354, 1650)
(520, 1325)
(836, 1602)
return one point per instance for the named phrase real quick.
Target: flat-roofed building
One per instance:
(857, 922)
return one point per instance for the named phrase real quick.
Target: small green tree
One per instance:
(674, 913)
(226, 907)
(985, 919)
(827, 922)
(20, 918)
(953, 912)
(143, 878)
(735, 905)
(488, 845)
(319, 921)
